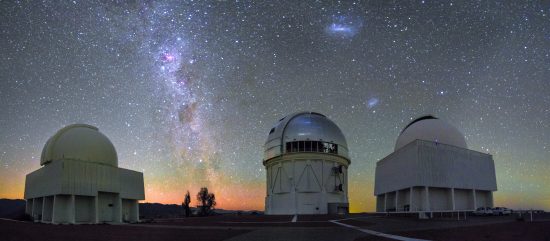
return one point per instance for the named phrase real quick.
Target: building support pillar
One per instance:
(53, 210)
(427, 189)
(136, 211)
(33, 209)
(37, 209)
(453, 198)
(96, 208)
(396, 201)
(324, 200)
(385, 202)
(47, 207)
(28, 207)
(411, 189)
(43, 208)
(118, 209)
(475, 199)
(294, 196)
(72, 212)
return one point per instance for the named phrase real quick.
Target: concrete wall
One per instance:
(280, 203)
(390, 201)
(430, 199)
(108, 208)
(338, 208)
(85, 211)
(65, 191)
(131, 184)
(397, 171)
(425, 163)
(440, 199)
(463, 199)
(47, 209)
(85, 179)
(28, 206)
(403, 199)
(63, 209)
(37, 208)
(418, 199)
(45, 181)
(448, 166)
(305, 183)
(484, 198)
(440, 167)
(380, 203)
(310, 203)
(130, 210)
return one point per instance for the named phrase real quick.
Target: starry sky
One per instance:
(188, 91)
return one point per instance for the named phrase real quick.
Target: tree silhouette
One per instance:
(186, 203)
(207, 201)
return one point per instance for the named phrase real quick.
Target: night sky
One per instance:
(187, 92)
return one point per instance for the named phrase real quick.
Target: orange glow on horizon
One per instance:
(235, 194)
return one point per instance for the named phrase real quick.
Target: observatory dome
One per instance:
(430, 128)
(80, 142)
(305, 126)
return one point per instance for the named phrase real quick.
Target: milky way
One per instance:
(187, 91)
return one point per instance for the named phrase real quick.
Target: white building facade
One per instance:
(306, 159)
(80, 181)
(431, 169)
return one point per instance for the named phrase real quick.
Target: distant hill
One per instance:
(157, 210)
(12, 208)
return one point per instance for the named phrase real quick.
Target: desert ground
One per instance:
(234, 227)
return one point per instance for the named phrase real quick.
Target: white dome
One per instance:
(429, 128)
(304, 126)
(82, 143)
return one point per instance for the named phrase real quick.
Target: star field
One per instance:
(187, 91)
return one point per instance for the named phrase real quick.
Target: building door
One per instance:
(106, 206)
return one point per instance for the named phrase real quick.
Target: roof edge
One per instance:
(424, 117)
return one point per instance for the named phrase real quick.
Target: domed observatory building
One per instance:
(306, 158)
(80, 181)
(432, 169)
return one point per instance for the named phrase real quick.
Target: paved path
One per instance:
(396, 224)
(302, 234)
(347, 229)
(266, 233)
(375, 233)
